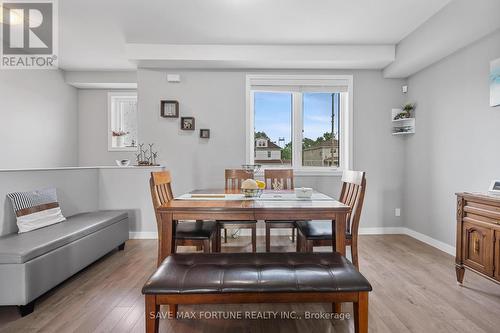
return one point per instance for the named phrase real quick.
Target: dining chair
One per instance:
(233, 180)
(319, 233)
(278, 179)
(201, 234)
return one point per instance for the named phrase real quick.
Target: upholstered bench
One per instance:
(218, 278)
(34, 262)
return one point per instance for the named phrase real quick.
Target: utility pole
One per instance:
(281, 142)
(333, 114)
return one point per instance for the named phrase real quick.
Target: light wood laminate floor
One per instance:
(414, 291)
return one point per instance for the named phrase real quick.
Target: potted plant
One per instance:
(407, 109)
(119, 137)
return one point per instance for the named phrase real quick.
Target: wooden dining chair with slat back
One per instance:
(278, 179)
(201, 234)
(319, 233)
(233, 180)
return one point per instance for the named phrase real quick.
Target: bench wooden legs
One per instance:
(361, 313)
(172, 311)
(359, 300)
(152, 312)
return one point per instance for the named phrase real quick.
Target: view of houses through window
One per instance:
(319, 128)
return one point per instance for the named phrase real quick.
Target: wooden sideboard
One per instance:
(478, 235)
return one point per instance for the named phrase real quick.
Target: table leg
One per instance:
(165, 237)
(339, 226)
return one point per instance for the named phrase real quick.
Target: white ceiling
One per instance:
(94, 33)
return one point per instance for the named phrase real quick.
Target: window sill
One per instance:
(122, 149)
(309, 173)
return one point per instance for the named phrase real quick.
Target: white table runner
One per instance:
(267, 196)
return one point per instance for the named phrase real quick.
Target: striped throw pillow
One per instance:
(36, 209)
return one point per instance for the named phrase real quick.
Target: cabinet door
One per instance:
(496, 255)
(477, 249)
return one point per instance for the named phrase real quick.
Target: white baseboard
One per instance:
(431, 241)
(382, 231)
(362, 231)
(143, 235)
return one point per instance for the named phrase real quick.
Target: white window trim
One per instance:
(112, 94)
(346, 150)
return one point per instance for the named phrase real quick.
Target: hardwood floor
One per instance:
(415, 290)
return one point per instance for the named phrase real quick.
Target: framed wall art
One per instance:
(169, 109)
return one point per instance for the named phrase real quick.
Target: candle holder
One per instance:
(146, 156)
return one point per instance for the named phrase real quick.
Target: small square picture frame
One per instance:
(187, 123)
(169, 109)
(205, 133)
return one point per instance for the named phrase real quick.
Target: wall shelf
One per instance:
(402, 126)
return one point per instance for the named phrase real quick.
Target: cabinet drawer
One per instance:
(477, 247)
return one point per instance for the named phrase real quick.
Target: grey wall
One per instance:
(455, 147)
(93, 129)
(85, 189)
(77, 191)
(217, 100)
(38, 119)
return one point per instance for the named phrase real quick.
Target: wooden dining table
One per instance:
(216, 206)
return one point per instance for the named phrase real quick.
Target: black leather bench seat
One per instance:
(186, 273)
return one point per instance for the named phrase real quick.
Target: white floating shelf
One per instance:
(398, 124)
(403, 120)
(402, 133)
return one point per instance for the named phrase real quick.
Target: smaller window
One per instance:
(122, 121)
(268, 154)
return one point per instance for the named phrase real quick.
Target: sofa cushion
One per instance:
(20, 248)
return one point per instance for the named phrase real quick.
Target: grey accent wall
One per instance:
(38, 119)
(77, 191)
(217, 100)
(456, 144)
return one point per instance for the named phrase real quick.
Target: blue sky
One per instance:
(273, 114)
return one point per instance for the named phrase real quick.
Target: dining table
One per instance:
(230, 205)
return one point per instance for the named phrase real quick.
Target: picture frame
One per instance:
(205, 133)
(494, 188)
(169, 109)
(187, 123)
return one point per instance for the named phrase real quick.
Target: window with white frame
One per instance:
(122, 121)
(299, 121)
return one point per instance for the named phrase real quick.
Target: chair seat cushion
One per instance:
(317, 230)
(186, 273)
(20, 248)
(195, 230)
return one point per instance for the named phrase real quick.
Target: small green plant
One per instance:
(407, 110)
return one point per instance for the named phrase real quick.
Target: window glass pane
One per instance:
(124, 122)
(273, 128)
(320, 140)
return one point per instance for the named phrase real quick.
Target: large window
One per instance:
(299, 121)
(122, 121)
(273, 128)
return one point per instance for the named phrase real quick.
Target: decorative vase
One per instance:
(120, 141)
